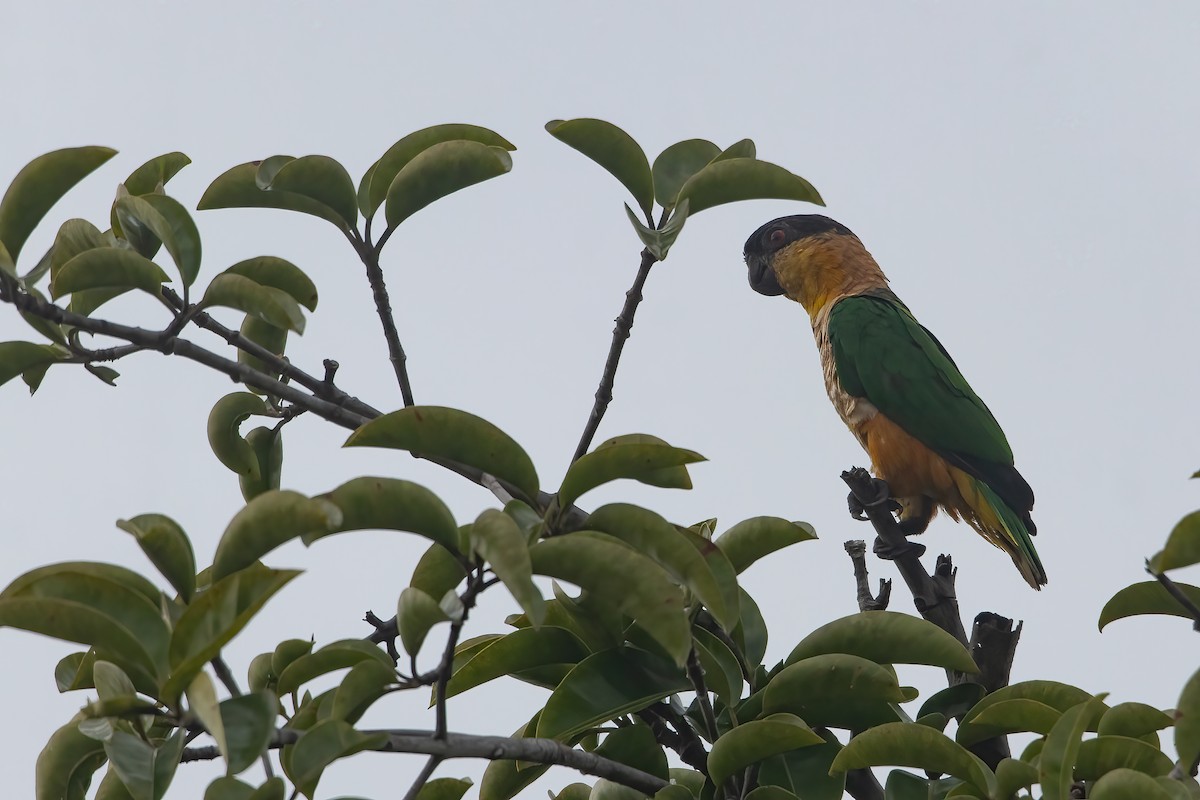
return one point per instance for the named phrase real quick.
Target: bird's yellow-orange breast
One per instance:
(909, 467)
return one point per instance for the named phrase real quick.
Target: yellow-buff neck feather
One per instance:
(821, 269)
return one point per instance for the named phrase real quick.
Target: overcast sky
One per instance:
(1027, 177)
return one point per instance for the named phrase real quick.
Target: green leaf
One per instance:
(111, 787)
(214, 617)
(321, 179)
(516, 652)
(17, 357)
(111, 681)
(437, 572)
(201, 696)
(51, 330)
(171, 224)
(1012, 774)
(622, 578)
(756, 740)
(751, 632)
(438, 171)
(604, 686)
(444, 789)
(434, 431)
(271, 338)
(269, 304)
(1148, 597)
(907, 744)
(238, 188)
(107, 268)
(105, 374)
(953, 701)
(613, 149)
(903, 785)
(155, 172)
(333, 656)
(757, 537)
(776, 793)
(635, 746)
(836, 690)
(75, 671)
(416, 614)
(582, 791)
(612, 462)
(249, 722)
(268, 521)
(804, 773)
(1136, 720)
(676, 164)
(496, 537)
(224, 431)
(287, 652)
(659, 240)
(1187, 723)
(1058, 696)
(1182, 548)
(504, 779)
(736, 179)
(743, 148)
(365, 683)
(1127, 784)
(723, 674)
(1019, 715)
(654, 537)
(39, 185)
(375, 183)
(65, 765)
(266, 444)
(1106, 753)
(145, 770)
(281, 274)
(227, 788)
(886, 637)
(1062, 746)
(393, 505)
(324, 743)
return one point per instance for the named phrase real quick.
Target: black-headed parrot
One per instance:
(926, 431)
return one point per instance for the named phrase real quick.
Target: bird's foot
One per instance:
(881, 496)
(890, 552)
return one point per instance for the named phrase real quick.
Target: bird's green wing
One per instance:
(883, 354)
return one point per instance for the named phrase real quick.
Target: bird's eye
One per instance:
(777, 236)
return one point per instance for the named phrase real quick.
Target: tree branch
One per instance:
(857, 550)
(620, 333)
(383, 306)
(1177, 593)
(677, 735)
(492, 748)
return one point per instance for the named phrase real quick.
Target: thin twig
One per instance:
(422, 778)
(696, 676)
(620, 334)
(225, 675)
(383, 306)
(677, 735)
(474, 588)
(1181, 598)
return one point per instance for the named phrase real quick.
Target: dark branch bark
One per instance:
(671, 730)
(492, 748)
(620, 334)
(857, 550)
(861, 784)
(1177, 593)
(993, 646)
(383, 307)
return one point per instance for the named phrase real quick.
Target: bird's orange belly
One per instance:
(909, 467)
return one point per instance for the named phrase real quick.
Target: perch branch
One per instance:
(383, 306)
(857, 550)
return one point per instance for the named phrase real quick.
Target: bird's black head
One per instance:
(777, 234)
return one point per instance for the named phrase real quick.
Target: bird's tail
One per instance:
(1001, 526)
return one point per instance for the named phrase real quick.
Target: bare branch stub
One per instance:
(993, 646)
(857, 550)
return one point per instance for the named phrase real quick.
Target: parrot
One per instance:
(928, 435)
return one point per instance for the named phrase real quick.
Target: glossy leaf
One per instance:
(437, 572)
(1012, 774)
(75, 671)
(227, 788)
(269, 304)
(66, 764)
(1187, 722)
(722, 673)
(907, 744)
(835, 690)
(280, 274)
(496, 537)
(333, 656)
(374, 187)
(757, 537)
(1055, 766)
(606, 685)
(321, 179)
(804, 773)
(171, 224)
(756, 740)
(612, 462)
(1058, 696)
(390, 504)
(224, 431)
(659, 240)
(17, 357)
(448, 433)
(111, 788)
(1148, 597)
(155, 172)
(1106, 753)
(504, 779)
(635, 746)
(652, 536)
(1128, 784)
(416, 614)
(1019, 715)
(751, 632)
(266, 522)
(214, 617)
(613, 149)
(676, 164)
(743, 148)
(444, 789)
(107, 268)
(1135, 720)
(288, 652)
(516, 652)
(145, 770)
(886, 637)
(38, 186)
(365, 683)
(266, 444)
(249, 723)
(238, 188)
(736, 179)
(324, 743)
(438, 171)
(1183, 545)
(201, 696)
(266, 335)
(953, 701)
(777, 793)
(665, 478)
(624, 579)
(74, 236)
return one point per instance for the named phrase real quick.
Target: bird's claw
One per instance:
(882, 496)
(890, 552)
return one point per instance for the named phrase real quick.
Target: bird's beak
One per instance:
(762, 276)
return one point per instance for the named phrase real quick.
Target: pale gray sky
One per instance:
(1025, 175)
